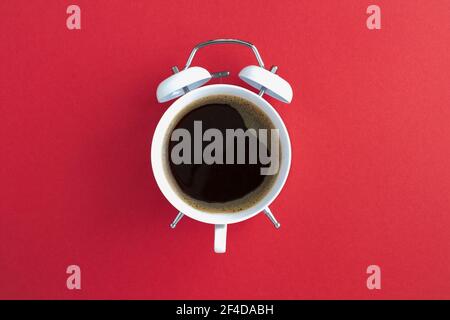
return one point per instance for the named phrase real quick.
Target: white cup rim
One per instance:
(158, 144)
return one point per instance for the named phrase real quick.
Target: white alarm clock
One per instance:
(190, 85)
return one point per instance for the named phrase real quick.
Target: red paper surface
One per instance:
(369, 125)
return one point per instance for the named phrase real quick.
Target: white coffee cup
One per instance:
(159, 146)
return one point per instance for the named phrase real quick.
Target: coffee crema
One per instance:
(220, 187)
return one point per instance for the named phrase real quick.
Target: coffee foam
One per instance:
(253, 118)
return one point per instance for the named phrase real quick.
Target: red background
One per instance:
(369, 125)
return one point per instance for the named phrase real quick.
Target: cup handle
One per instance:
(220, 238)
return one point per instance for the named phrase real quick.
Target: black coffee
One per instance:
(221, 183)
